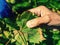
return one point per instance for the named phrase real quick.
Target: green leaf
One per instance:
(58, 43)
(20, 39)
(12, 40)
(10, 23)
(11, 1)
(1, 44)
(34, 37)
(31, 32)
(20, 5)
(25, 16)
(43, 1)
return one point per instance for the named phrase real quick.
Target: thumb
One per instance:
(37, 21)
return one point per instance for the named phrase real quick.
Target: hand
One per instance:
(46, 16)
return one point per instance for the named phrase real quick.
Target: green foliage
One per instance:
(23, 4)
(43, 1)
(23, 34)
(15, 32)
(58, 43)
(30, 32)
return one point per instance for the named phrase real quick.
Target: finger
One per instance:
(37, 21)
(45, 11)
(35, 11)
(40, 11)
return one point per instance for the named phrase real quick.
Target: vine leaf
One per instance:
(33, 34)
(43, 1)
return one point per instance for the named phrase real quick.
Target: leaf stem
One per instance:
(8, 42)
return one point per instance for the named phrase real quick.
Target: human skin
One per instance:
(45, 16)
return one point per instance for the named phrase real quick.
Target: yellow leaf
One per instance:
(1, 35)
(7, 34)
(58, 12)
(41, 35)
